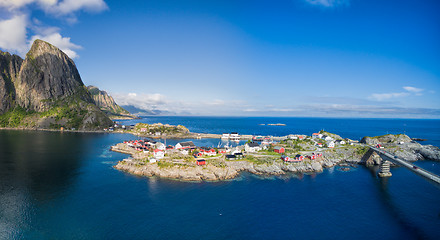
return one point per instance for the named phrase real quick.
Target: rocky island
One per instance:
(290, 155)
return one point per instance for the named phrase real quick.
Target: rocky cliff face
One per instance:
(9, 70)
(47, 74)
(107, 104)
(45, 90)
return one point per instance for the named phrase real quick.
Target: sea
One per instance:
(61, 185)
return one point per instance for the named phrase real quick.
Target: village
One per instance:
(256, 154)
(258, 149)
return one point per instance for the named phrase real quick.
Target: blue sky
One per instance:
(322, 58)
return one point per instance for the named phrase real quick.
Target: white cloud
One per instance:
(216, 102)
(13, 31)
(413, 89)
(241, 108)
(386, 96)
(69, 6)
(328, 3)
(13, 34)
(13, 4)
(57, 7)
(251, 110)
(143, 101)
(408, 92)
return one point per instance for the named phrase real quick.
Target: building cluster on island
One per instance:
(258, 144)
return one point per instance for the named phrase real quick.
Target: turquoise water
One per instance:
(62, 186)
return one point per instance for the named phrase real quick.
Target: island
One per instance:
(261, 155)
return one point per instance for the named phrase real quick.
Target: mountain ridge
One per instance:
(45, 90)
(107, 104)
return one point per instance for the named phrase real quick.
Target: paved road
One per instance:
(417, 170)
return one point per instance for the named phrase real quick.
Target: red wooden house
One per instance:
(222, 150)
(200, 162)
(279, 149)
(207, 151)
(299, 158)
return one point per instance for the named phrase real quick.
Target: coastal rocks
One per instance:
(185, 173)
(271, 169)
(371, 158)
(317, 167)
(289, 168)
(430, 152)
(370, 141)
(332, 135)
(386, 139)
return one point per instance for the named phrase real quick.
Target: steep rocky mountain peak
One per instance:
(47, 74)
(45, 91)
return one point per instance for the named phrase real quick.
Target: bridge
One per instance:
(385, 166)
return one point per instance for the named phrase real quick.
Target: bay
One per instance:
(62, 186)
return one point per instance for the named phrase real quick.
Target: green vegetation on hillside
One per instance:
(68, 112)
(14, 117)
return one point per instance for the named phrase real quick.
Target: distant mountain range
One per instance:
(145, 112)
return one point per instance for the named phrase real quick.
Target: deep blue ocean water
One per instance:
(62, 186)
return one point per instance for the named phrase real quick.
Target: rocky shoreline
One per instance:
(183, 171)
(213, 173)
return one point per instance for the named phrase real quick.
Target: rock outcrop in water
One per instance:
(107, 104)
(45, 91)
(404, 147)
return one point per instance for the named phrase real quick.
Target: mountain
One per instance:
(45, 90)
(144, 112)
(9, 70)
(107, 104)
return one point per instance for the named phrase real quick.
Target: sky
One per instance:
(311, 58)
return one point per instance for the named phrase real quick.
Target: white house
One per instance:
(340, 142)
(327, 138)
(252, 147)
(153, 160)
(185, 145)
(159, 154)
(160, 146)
(331, 144)
(225, 136)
